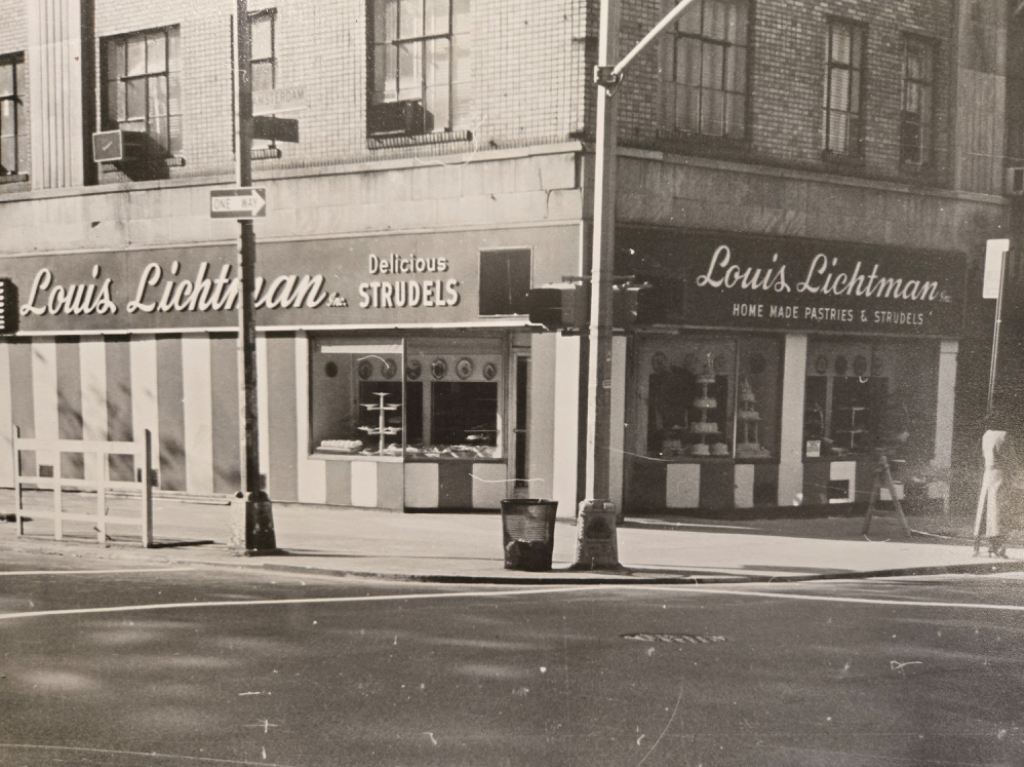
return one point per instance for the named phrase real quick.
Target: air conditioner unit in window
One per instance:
(118, 146)
(1015, 181)
(399, 118)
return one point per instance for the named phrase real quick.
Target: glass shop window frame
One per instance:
(734, 369)
(854, 391)
(415, 374)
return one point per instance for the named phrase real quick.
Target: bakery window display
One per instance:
(705, 427)
(748, 419)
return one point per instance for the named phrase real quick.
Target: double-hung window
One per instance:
(706, 70)
(420, 66)
(843, 102)
(916, 137)
(11, 162)
(142, 92)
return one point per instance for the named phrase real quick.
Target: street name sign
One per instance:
(277, 100)
(245, 202)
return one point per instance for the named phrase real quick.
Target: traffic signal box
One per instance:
(559, 307)
(566, 305)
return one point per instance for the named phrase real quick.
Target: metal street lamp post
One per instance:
(253, 531)
(607, 76)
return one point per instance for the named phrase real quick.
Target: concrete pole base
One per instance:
(596, 541)
(252, 526)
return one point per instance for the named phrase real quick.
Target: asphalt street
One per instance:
(115, 664)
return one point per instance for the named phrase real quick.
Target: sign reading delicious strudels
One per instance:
(391, 279)
(794, 284)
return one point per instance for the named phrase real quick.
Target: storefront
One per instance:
(770, 372)
(394, 371)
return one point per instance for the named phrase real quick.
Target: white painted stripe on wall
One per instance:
(44, 383)
(617, 439)
(490, 485)
(844, 470)
(6, 419)
(263, 405)
(566, 424)
(92, 354)
(197, 389)
(682, 485)
(145, 414)
(312, 475)
(744, 486)
(364, 484)
(540, 455)
(948, 351)
(791, 462)
(422, 485)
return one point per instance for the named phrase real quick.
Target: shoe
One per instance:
(997, 547)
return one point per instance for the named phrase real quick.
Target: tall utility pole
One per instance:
(255, 532)
(607, 76)
(602, 256)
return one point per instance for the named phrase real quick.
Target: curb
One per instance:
(624, 577)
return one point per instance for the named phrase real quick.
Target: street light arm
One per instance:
(675, 13)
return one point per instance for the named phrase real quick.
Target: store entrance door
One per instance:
(520, 438)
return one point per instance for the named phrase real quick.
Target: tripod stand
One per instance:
(883, 478)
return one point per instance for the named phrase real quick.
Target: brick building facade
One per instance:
(871, 132)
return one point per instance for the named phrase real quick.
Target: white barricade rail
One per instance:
(142, 451)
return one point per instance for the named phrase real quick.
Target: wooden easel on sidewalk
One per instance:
(884, 475)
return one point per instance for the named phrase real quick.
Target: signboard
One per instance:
(275, 129)
(995, 250)
(385, 280)
(789, 284)
(277, 100)
(246, 202)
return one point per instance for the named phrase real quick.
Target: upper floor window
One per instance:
(12, 159)
(420, 66)
(844, 119)
(142, 91)
(916, 137)
(706, 70)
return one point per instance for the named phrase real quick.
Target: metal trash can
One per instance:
(528, 529)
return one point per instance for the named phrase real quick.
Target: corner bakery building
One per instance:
(393, 371)
(768, 371)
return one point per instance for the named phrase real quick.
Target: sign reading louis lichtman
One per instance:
(801, 285)
(8, 307)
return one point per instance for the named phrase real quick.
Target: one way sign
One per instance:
(246, 202)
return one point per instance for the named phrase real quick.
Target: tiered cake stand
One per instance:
(381, 430)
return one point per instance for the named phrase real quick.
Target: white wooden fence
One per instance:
(142, 452)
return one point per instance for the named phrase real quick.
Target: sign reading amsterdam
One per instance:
(790, 284)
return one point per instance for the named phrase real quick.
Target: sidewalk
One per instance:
(467, 548)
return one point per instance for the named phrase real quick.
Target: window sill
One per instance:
(709, 459)
(839, 160)
(355, 457)
(14, 178)
(679, 142)
(395, 142)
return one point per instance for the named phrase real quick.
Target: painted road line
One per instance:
(145, 754)
(821, 598)
(98, 572)
(298, 601)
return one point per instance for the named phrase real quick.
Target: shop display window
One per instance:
(434, 402)
(865, 396)
(357, 400)
(711, 398)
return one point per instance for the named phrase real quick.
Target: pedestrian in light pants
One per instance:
(997, 448)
